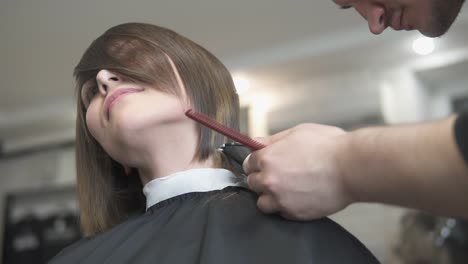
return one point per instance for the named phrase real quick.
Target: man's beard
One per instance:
(442, 16)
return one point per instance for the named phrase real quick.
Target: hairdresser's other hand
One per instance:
(298, 174)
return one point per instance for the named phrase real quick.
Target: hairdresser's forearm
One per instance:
(416, 166)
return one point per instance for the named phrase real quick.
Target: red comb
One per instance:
(227, 131)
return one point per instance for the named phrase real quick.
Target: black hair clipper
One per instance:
(237, 153)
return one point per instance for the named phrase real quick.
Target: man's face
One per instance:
(431, 17)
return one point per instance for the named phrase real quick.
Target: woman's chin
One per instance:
(123, 121)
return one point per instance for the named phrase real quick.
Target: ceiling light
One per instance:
(242, 84)
(423, 45)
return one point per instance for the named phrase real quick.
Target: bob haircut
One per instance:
(144, 53)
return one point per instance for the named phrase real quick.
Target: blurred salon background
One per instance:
(292, 61)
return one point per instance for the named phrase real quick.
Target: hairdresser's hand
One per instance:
(298, 173)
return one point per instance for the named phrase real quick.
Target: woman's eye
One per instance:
(91, 93)
(88, 95)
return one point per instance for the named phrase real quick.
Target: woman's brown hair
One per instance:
(141, 52)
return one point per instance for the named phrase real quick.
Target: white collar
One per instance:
(194, 180)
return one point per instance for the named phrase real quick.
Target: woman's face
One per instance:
(122, 115)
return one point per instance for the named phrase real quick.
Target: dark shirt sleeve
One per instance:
(461, 134)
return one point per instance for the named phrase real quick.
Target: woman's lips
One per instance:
(114, 97)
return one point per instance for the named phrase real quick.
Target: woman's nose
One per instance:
(107, 80)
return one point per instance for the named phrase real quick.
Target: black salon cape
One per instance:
(217, 227)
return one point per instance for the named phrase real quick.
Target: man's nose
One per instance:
(376, 18)
(107, 80)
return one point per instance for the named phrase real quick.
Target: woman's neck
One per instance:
(167, 151)
(161, 169)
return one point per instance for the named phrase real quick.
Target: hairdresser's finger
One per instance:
(289, 216)
(255, 161)
(250, 164)
(255, 183)
(280, 135)
(263, 140)
(267, 204)
(271, 139)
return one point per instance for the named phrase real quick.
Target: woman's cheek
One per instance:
(92, 122)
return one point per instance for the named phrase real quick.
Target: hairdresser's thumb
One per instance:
(264, 140)
(272, 139)
(277, 137)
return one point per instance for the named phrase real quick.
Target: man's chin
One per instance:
(433, 33)
(438, 26)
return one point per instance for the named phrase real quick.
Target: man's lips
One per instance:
(396, 19)
(112, 99)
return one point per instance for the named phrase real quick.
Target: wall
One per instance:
(36, 170)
